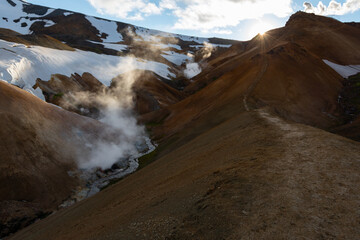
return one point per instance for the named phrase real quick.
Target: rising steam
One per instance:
(207, 50)
(193, 68)
(121, 132)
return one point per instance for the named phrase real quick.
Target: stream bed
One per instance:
(95, 180)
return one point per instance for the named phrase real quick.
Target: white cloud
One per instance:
(334, 7)
(210, 14)
(222, 31)
(168, 4)
(203, 15)
(127, 9)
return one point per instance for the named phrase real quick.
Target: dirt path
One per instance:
(318, 185)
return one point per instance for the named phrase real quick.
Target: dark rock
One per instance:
(35, 9)
(11, 3)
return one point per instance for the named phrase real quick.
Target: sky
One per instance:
(231, 19)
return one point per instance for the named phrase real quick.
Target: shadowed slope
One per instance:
(255, 175)
(37, 149)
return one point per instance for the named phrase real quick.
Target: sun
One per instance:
(260, 27)
(262, 31)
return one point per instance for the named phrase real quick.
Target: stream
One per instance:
(96, 179)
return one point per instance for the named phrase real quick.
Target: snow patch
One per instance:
(49, 11)
(49, 23)
(344, 71)
(108, 27)
(68, 13)
(192, 69)
(114, 46)
(175, 57)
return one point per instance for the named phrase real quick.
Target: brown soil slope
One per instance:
(254, 176)
(37, 149)
(283, 69)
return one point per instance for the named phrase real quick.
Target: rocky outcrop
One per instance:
(151, 93)
(59, 85)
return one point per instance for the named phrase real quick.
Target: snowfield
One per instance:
(10, 13)
(21, 65)
(150, 35)
(344, 71)
(107, 27)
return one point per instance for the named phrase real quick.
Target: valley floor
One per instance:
(254, 176)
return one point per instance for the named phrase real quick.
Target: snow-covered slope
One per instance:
(107, 27)
(154, 35)
(21, 65)
(104, 48)
(13, 17)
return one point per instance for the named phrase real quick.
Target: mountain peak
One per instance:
(301, 17)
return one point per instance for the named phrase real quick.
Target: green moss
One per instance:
(143, 162)
(112, 182)
(153, 124)
(350, 98)
(355, 77)
(162, 149)
(148, 158)
(58, 95)
(156, 123)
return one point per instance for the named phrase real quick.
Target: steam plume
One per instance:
(121, 132)
(193, 68)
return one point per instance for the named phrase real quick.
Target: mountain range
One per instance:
(122, 132)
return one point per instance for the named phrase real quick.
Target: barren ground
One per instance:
(254, 176)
